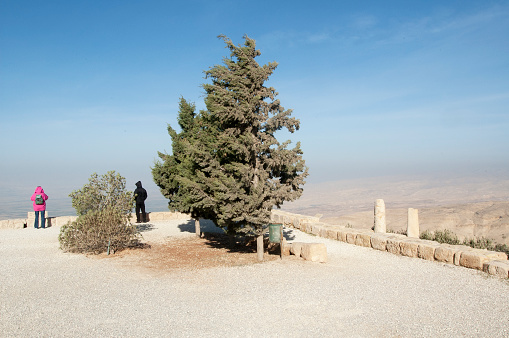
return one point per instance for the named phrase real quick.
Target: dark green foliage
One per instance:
(502, 248)
(427, 235)
(479, 243)
(399, 232)
(104, 210)
(179, 175)
(227, 164)
(445, 236)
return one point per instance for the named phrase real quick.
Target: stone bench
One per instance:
(314, 252)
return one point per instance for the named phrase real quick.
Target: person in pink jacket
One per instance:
(39, 198)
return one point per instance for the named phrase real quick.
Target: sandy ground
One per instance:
(360, 292)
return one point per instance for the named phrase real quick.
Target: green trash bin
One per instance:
(275, 232)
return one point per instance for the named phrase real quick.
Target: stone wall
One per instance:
(492, 262)
(21, 223)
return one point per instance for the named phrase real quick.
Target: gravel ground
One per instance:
(360, 292)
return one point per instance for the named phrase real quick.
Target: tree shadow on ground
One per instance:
(231, 243)
(205, 226)
(217, 238)
(187, 227)
(245, 244)
(144, 227)
(288, 234)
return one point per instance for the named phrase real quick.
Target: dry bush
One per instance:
(104, 211)
(98, 231)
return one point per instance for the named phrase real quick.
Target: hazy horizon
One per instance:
(352, 195)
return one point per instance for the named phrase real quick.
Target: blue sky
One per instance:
(380, 87)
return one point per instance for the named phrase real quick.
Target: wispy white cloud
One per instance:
(441, 24)
(375, 29)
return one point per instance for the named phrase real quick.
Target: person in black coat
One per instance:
(140, 195)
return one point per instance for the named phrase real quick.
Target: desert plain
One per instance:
(471, 207)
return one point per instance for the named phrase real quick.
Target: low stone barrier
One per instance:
(314, 252)
(58, 221)
(18, 223)
(492, 262)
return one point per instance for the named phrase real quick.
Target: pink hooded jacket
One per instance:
(39, 207)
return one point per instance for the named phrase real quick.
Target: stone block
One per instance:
(304, 227)
(296, 223)
(498, 268)
(18, 223)
(31, 219)
(323, 232)
(315, 229)
(342, 234)
(379, 242)
(363, 239)
(350, 237)
(332, 234)
(393, 245)
(285, 249)
(296, 248)
(315, 252)
(495, 255)
(458, 250)
(153, 216)
(426, 250)
(445, 253)
(473, 260)
(409, 248)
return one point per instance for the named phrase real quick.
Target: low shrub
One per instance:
(480, 243)
(398, 232)
(427, 235)
(502, 248)
(97, 232)
(104, 211)
(449, 237)
(445, 236)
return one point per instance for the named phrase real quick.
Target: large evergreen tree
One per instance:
(252, 172)
(227, 164)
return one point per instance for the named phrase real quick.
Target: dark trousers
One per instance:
(43, 219)
(140, 206)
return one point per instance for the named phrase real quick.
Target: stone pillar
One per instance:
(380, 216)
(197, 230)
(259, 248)
(412, 229)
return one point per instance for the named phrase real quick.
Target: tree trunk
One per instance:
(259, 247)
(197, 227)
